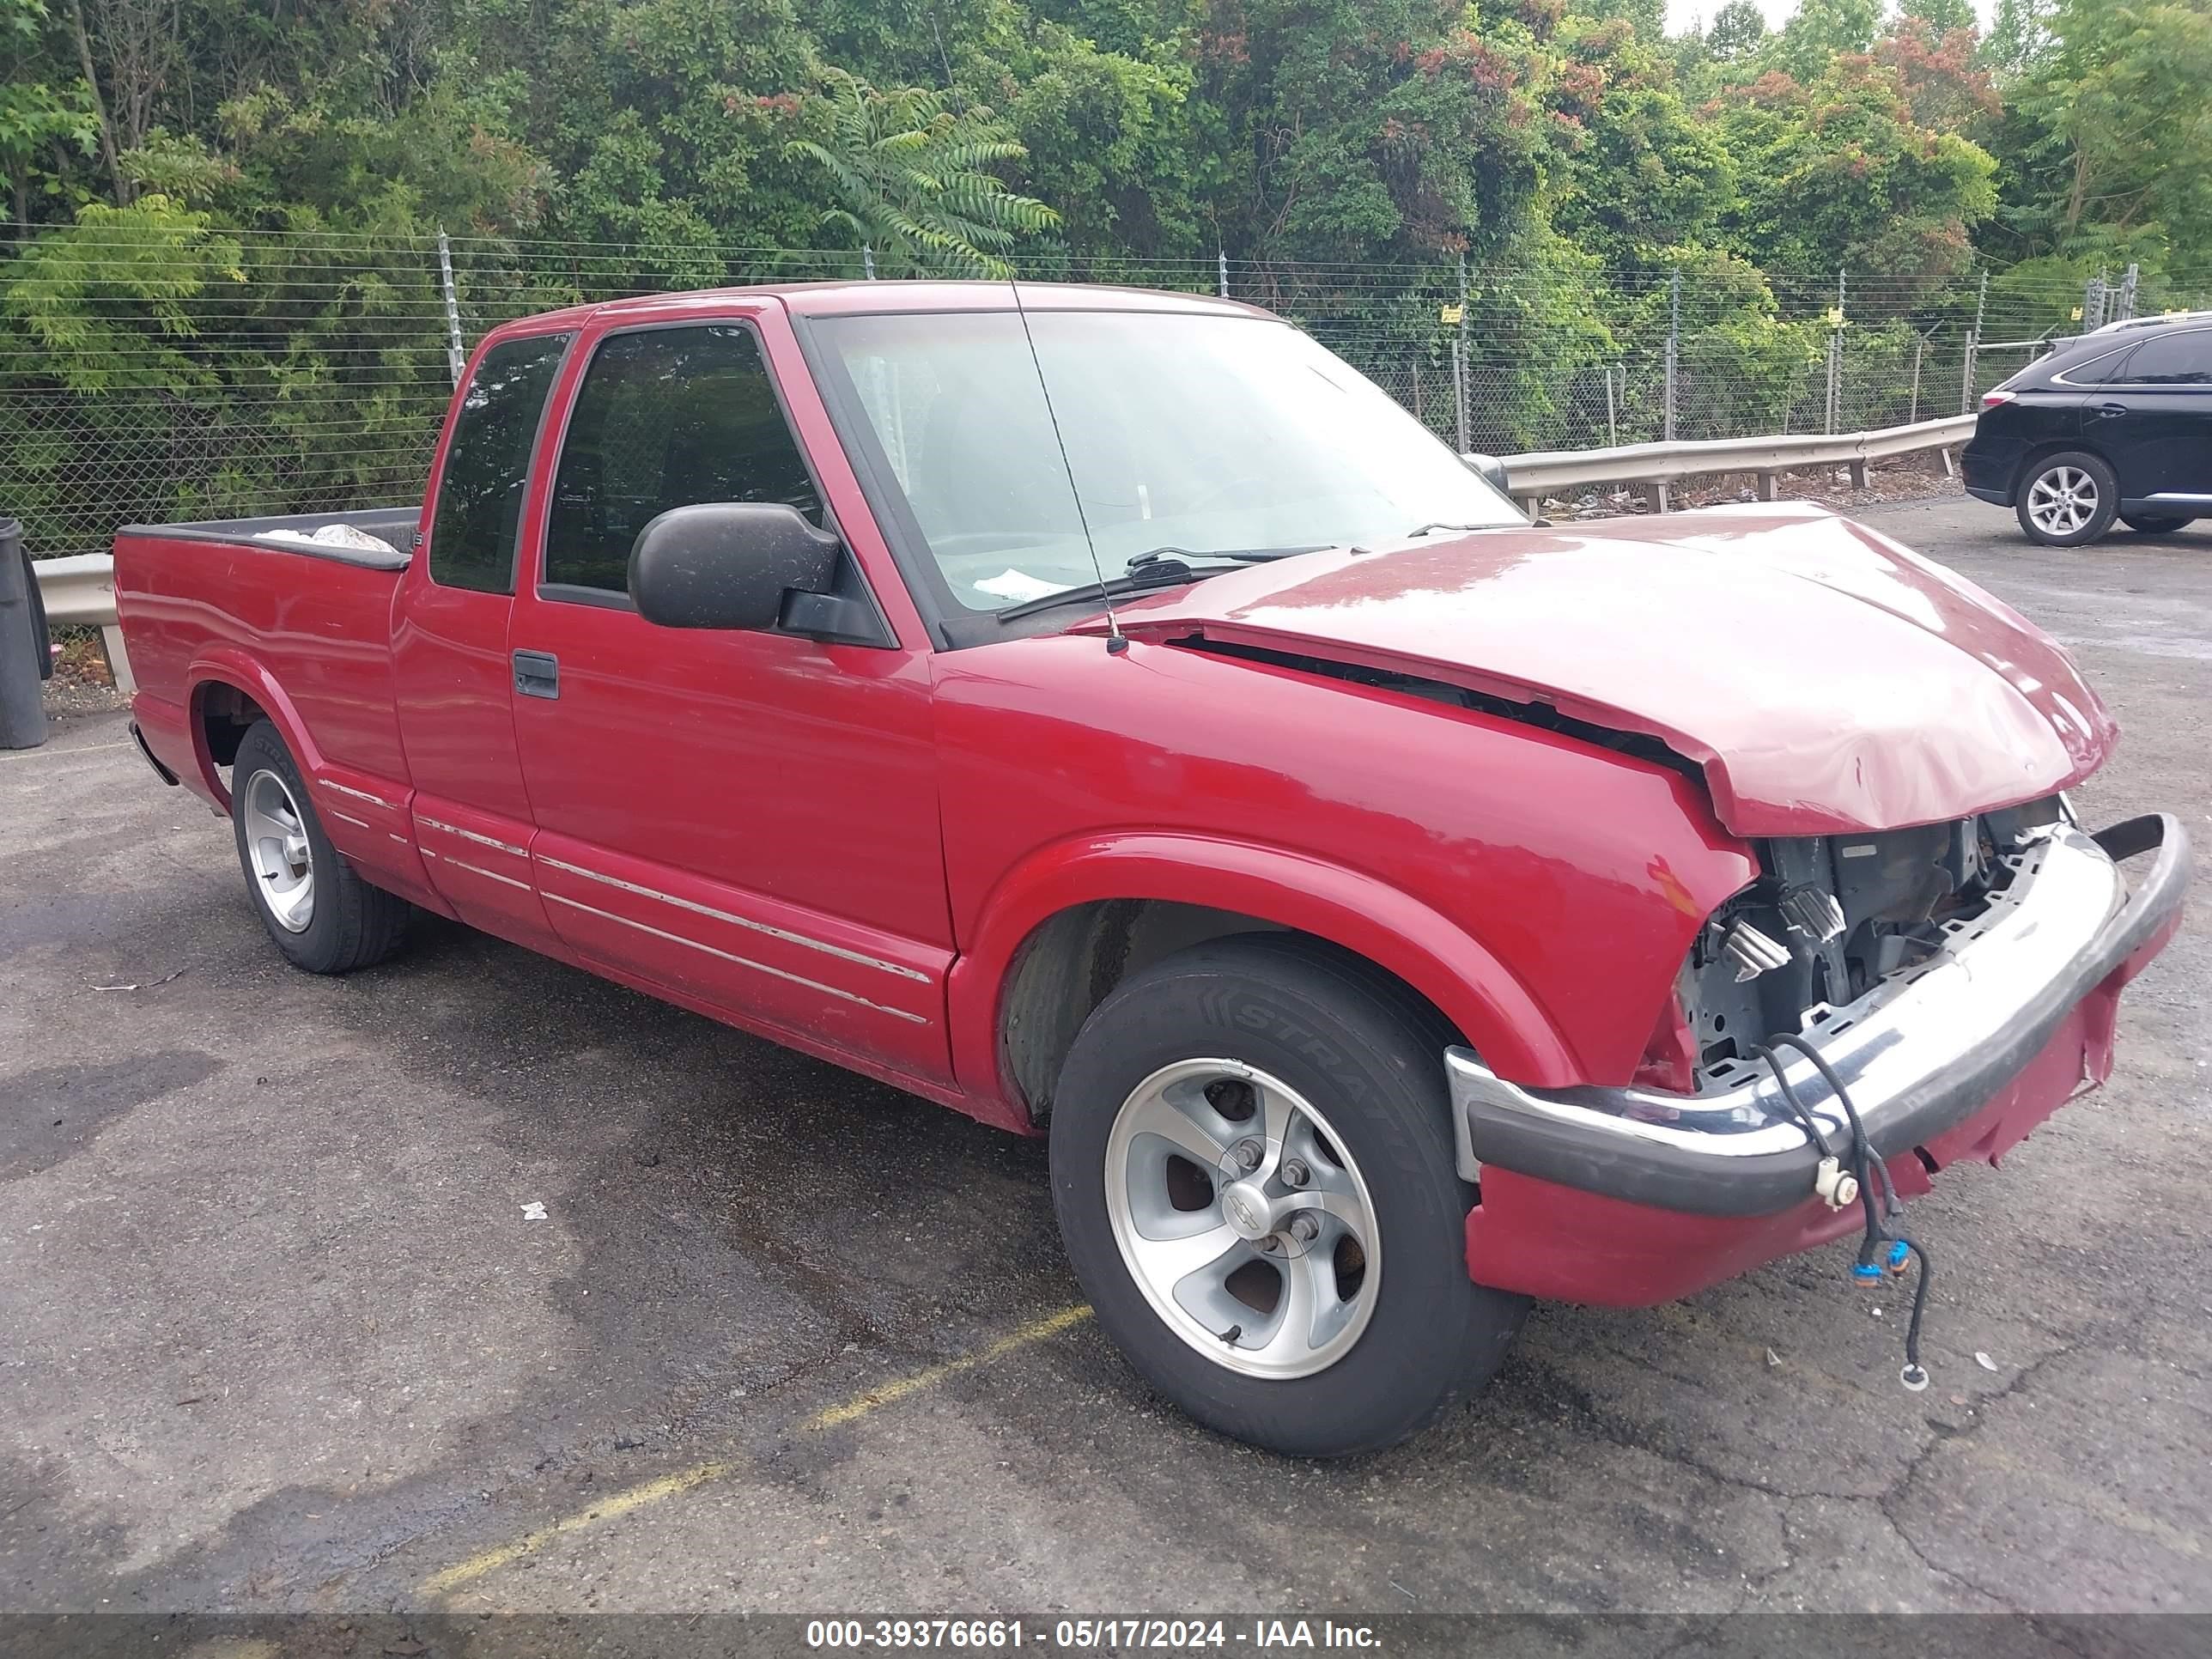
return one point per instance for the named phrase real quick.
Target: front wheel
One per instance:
(1252, 1161)
(2148, 524)
(2067, 500)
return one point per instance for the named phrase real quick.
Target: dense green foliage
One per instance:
(231, 204)
(1387, 131)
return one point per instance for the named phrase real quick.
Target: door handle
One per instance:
(2106, 411)
(538, 674)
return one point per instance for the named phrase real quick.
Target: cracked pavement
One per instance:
(275, 1333)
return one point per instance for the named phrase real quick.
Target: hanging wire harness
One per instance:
(1881, 1250)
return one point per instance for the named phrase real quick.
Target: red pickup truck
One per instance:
(1108, 715)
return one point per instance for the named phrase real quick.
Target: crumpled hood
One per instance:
(1825, 677)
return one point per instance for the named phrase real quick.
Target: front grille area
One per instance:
(1847, 912)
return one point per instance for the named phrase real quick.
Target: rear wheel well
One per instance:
(1073, 960)
(2043, 452)
(225, 715)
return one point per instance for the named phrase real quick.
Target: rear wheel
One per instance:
(2067, 500)
(2146, 524)
(323, 916)
(1252, 1160)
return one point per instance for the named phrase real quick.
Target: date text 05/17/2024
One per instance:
(1090, 1635)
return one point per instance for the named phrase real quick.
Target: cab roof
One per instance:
(895, 294)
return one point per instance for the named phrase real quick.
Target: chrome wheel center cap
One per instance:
(1246, 1209)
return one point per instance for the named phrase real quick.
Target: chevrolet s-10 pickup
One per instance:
(1108, 715)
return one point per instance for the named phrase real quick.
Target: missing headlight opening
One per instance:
(1849, 912)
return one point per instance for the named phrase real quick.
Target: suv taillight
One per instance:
(1991, 399)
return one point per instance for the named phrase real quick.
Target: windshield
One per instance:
(1202, 434)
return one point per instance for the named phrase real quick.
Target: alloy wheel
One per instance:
(2062, 500)
(276, 839)
(1241, 1219)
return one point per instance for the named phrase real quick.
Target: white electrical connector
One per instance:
(1836, 1187)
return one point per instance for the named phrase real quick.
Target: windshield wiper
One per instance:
(1430, 529)
(1159, 567)
(1169, 573)
(1232, 555)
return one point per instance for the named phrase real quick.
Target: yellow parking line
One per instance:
(635, 1498)
(43, 753)
(669, 1485)
(861, 1405)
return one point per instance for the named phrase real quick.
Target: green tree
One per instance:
(41, 107)
(1823, 30)
(1838, 172)
(1738, 31)
(1941, 16)
(913, 181)
(1647, 172)
(2020, 35)
(2125, 131)
(1375, 129)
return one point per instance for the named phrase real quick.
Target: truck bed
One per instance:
(314, 620)
(394, 525)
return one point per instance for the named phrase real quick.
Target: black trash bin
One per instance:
(27, 655)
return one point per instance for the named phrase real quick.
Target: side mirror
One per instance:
(1493, 471)
(727, 564)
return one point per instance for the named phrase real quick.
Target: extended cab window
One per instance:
(667, 417)
(2176, 360)
(488, 463)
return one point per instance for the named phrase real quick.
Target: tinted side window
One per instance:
(2176, 360)
(667, 417)
(2098, 371)
(480, 492)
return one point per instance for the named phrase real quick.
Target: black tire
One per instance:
(1333, 1030)
(350, 925)
(2081, 464)
(2145, 524)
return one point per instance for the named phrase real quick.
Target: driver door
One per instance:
(744, 821)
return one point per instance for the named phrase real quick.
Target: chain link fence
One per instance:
(146, 378)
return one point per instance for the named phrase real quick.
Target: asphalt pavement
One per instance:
(278, 1330)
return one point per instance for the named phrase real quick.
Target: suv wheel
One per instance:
(1251, 1163)
(2067, 500)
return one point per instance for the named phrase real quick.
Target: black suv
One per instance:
(2113, 424)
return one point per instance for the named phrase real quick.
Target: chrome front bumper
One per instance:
(1920, 1052)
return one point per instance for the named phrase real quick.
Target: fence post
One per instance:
(1828, 420)
(1836, 357)
(1222, 256)
(1673, 353)
(1459, 399)
(868, 262)
(1460, 374)
(1973, 346)
(1612, 410)
(2126, 308)
(1919, 347)
(455, 357)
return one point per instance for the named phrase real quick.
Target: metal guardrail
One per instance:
(81, 591)
(1654, 466)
